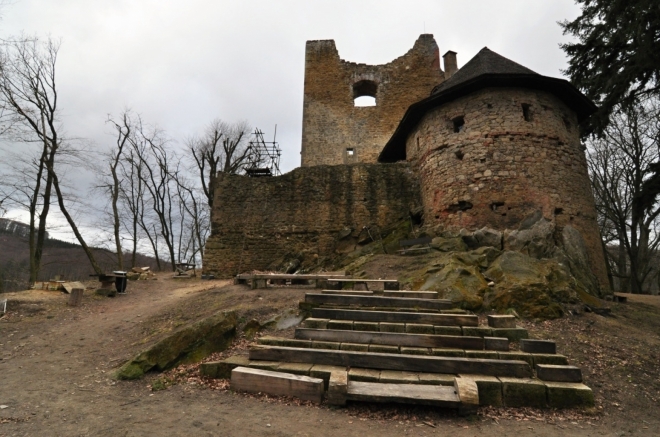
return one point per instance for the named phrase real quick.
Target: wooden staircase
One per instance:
(405, 347)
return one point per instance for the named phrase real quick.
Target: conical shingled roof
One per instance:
(486, 70)
(484, 62)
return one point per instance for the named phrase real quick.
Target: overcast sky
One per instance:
(181, 64)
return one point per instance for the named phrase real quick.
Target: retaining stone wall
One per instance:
(257, 221)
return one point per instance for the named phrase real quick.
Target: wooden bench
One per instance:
(182, 269)
(407, 245)
(261, 280)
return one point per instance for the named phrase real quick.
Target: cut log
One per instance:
(392, 338)
(386, 361)
(276, 383)
(435, 319)
(380, 301)
(75, 298)
(349, 292)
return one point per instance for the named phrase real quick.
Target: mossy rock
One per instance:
(534, 288)
(461, 283)
(187, 345)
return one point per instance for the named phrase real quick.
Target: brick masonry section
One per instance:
(331, 122)
(257, 221)
(504, 164)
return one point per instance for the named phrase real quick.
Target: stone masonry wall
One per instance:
(257, 221)
(331, 122)
(500, 167)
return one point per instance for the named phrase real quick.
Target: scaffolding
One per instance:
(263, 156)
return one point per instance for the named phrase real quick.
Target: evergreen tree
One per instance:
(616, 59)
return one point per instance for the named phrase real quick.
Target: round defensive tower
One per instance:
(497, 143)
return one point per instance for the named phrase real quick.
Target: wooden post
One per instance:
(75, 298)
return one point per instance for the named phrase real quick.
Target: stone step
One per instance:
(390, 361)
(531, 359)
(413, 294)
(381, 301)
(538, 346)
(491, 389)
(549, 372)
(392, 338)
(501, 321)
(311, 306)
(512, 334)
(396, 317)
(277, 383)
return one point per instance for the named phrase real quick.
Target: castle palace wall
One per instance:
(257, 221)
(332, 124)
(498, 155)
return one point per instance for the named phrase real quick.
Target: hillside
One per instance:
(60, 258)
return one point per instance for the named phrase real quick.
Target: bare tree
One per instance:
(123, 130)
(623, 166)
(29, 100)
(222, 148)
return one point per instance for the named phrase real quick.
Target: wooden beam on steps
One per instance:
(391, 338)
(277, 383)
(413, 294)
(385, 361)
(436, 319)
(381, 301)
(349, 292)
(436, 395)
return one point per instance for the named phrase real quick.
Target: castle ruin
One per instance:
(487, 145)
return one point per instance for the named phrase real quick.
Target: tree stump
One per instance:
(75, 298)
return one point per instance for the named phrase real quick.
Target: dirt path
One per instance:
(55, 368)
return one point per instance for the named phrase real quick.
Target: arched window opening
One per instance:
(364, 93)
(364, 101)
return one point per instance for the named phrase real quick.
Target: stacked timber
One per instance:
(409, 348)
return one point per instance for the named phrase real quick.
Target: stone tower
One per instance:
(335, 131)
(496, 144)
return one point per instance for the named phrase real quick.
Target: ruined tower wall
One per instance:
(331, 122)
(500, 167)
(258, 221)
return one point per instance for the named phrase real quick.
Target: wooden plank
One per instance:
(277, 383)
(413, 294)
(436, 395)
(363, 281)
(437, 304)
(349, 292)
(436, 319)
(385, 361)
(391, 338)
(69, 286)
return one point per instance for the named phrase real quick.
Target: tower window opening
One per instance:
(350, 152)
(364, 93)
(459, 124)
(567, 123)
(527, 114)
